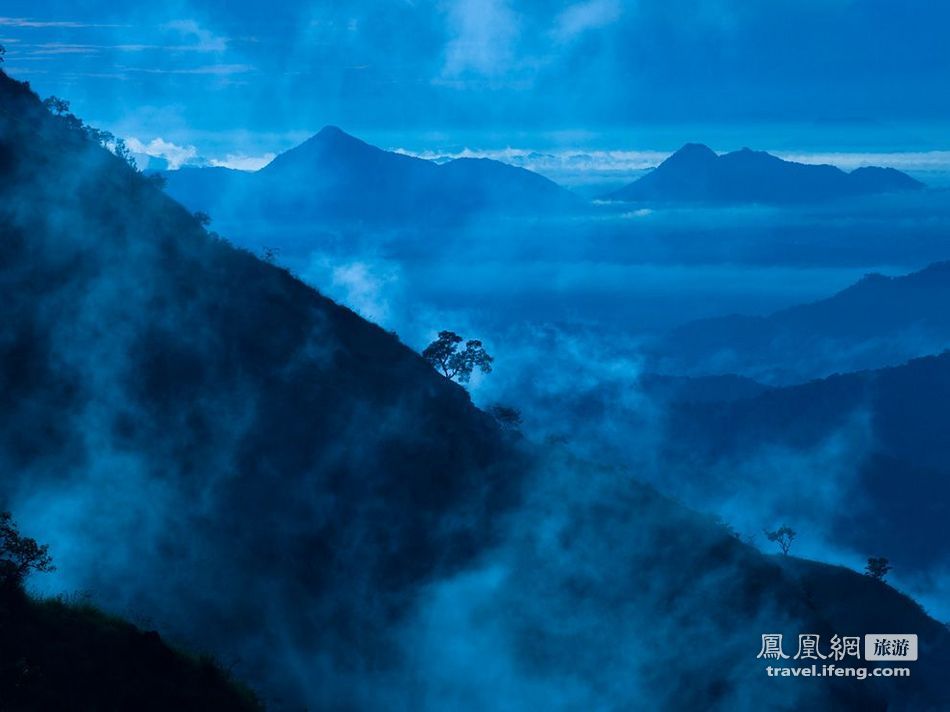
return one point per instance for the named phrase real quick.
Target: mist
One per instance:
(215, 410)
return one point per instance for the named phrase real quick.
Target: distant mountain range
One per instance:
(696, 174)
(336, 177)
(879, 321)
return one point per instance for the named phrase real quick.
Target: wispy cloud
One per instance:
(906, 160)
(200, 38)
(175, 155)
(40, 24)
(484, 34)
(52, 48)
(584, 16)
(242, 162)
(179, 155)
(547, 161)
(222, 70)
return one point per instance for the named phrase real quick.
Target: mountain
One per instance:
(214, 444)
(879, 321)
(335, 177)
(696, 174)
(871, 447)
(204, 440)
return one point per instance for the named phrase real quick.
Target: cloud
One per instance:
(242, 162)
(367, 286)
(906, 160)
(584, 16)
(159, 148)
(545, 161)
(52, 48)
(212, 69)
(485, 33)
(204, 40)
(43, 24)
(74, 48)
(177, 155)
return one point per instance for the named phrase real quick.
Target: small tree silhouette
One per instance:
(3, 51)
(877, 567)
(782, 536)
(19, 555)
(457, 363)
(57, 106)
(119, 147)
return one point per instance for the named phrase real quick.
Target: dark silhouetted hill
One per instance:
(276, 480)
(335, 177)
(879, 321)
(884, 609)
(696, 174)
(896, 480)
(271, 468)
(57, 655)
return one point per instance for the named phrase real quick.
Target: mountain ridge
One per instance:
(898, 478)
(876, 322)
(696, 174)
(337, 177)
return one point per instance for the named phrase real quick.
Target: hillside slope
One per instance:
(879, 321)
(249, 448)
(56, 655)
(896, 480)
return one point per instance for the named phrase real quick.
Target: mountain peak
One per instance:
(331, 147)
(331, 135)
(691, 157)
(331, 132)
(694, 151)
(341, 178)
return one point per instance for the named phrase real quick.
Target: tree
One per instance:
(782, 536)
(19, 555)
(877, 567)
(121, 149)
(446, 354)
(507, 417)
(3, 51)
(55, 105)
(103, 138)
(202, 218)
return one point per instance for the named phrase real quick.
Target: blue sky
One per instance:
(253, 77)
